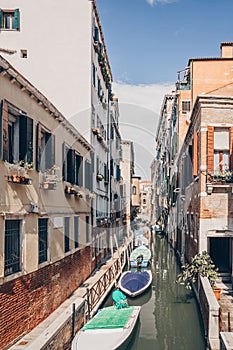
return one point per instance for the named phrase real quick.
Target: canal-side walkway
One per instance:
(226, 307)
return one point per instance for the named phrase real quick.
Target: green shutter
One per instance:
(16, 19)
(79, 170)
(4, 129)
(1, 19)
(26, 139)
(71, 166)
(38, 146)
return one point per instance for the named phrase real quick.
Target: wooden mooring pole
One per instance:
(88, 304)
(73, 320)
(229, 321)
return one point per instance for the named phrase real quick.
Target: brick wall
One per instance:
(63, 339)
(27, 300)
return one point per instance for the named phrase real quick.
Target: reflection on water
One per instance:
(169, 318)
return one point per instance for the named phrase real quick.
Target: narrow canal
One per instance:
(169, 318)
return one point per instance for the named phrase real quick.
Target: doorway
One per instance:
(220, 252)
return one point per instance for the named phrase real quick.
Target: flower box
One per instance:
(19, 179)
(46, 185)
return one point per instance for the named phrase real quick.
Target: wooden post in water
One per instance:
(73, 320)
(229, 321)
(88, 304)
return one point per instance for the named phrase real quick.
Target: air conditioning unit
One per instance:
(34, 208)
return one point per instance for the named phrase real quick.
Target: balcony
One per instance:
(221, 177)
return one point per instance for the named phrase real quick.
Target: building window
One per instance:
(9, 19)
(12, 247)
(67, 235)
(43, 240)
(16, 134)
(96, 34)
(93, 75)
(99, 88)
(45, 157)
(87, 229)
(134, 190)
(24, 53)
(186, 107)
(221, 149)
(118, 173)
(76, 231)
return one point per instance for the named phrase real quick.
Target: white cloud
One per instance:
(139, 115)
(145, 96)
(150, 2)
(160, 2)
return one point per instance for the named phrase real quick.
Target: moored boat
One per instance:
(109, 329)
(140, 257)
(135, 283)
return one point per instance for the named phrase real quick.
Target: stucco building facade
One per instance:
(45, 206)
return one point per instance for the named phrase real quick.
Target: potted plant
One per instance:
(201, 264)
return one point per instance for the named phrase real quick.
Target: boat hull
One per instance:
(107, 339)
(135, 283)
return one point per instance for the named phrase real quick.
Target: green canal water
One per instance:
(169, 318)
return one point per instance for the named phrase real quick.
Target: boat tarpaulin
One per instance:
(109, 318)
(134, 281)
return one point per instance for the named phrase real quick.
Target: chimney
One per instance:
(226, 50)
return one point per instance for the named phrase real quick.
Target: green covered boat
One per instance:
(109, 329)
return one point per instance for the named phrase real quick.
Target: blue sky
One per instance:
(148, 41)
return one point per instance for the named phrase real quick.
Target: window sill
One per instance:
(9, 278)
(9, 30)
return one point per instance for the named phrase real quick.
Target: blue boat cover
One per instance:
(134, 281)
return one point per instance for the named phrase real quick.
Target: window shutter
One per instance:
(111, 167)
(88, 175)
(231, 148)
(53, 149)
(210, 149)
(106, 173)
(64, 155)
(118, 177)
(79, 170)
(38, 146)
(92, 162)
(16, 18)
(4, 136)
(70, 166)
(195, 154)
(1, 19)
(96, 34)
(26, 139)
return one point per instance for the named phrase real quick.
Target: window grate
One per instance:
(12, 247)
(43, 240)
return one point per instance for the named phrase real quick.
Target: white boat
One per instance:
(140, 257)
(135, 283)
(109, 329)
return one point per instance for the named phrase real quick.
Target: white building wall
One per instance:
(58, 37)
